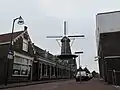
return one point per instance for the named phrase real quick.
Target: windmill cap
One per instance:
(65, 39)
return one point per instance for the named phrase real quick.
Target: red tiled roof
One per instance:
(6, 37)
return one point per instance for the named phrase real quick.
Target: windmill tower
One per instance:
(65, 41)
(66, 54)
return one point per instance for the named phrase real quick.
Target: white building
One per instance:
(108, 44)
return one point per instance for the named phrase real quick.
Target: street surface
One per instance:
(68, 85)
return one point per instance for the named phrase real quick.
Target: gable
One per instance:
(24, 37)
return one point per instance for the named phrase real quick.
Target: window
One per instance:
(45, 69)
(21, 66)
(25, 45)
(24, 70)
(58, 72)
(42, 69)
(17, 60)
(25, 61)
(52, 71)
(16, 69)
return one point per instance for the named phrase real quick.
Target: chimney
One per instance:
(25, 28)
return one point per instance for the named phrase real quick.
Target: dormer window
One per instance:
(25, 45)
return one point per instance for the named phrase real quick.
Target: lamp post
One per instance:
(20, 22)
(79, 62)
(10, 52)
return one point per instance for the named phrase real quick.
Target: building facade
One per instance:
(108, 41)
(48, 66)
(28, 61)
(19, 67)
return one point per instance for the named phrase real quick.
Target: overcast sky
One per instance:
(45, 18)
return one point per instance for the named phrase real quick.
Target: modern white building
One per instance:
(107, 22)
(108, 44)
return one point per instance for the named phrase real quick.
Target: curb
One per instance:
(27, 84)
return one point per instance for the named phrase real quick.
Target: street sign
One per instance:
(10, 55)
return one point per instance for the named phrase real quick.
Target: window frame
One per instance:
(29, 65)
(25, 45)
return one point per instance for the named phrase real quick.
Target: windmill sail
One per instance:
(76, 36)
(54, 36)
(66, 54)
(64, 28)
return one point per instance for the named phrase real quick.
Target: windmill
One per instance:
(66, 54)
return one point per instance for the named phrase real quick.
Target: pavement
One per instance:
(93, 84)
(28, 83)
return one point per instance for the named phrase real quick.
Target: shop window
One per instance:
(16, 69)
(24, 70)
(21, 66)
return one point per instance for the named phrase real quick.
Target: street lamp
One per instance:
(20, 22)
(10, 52)
(79, 62)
